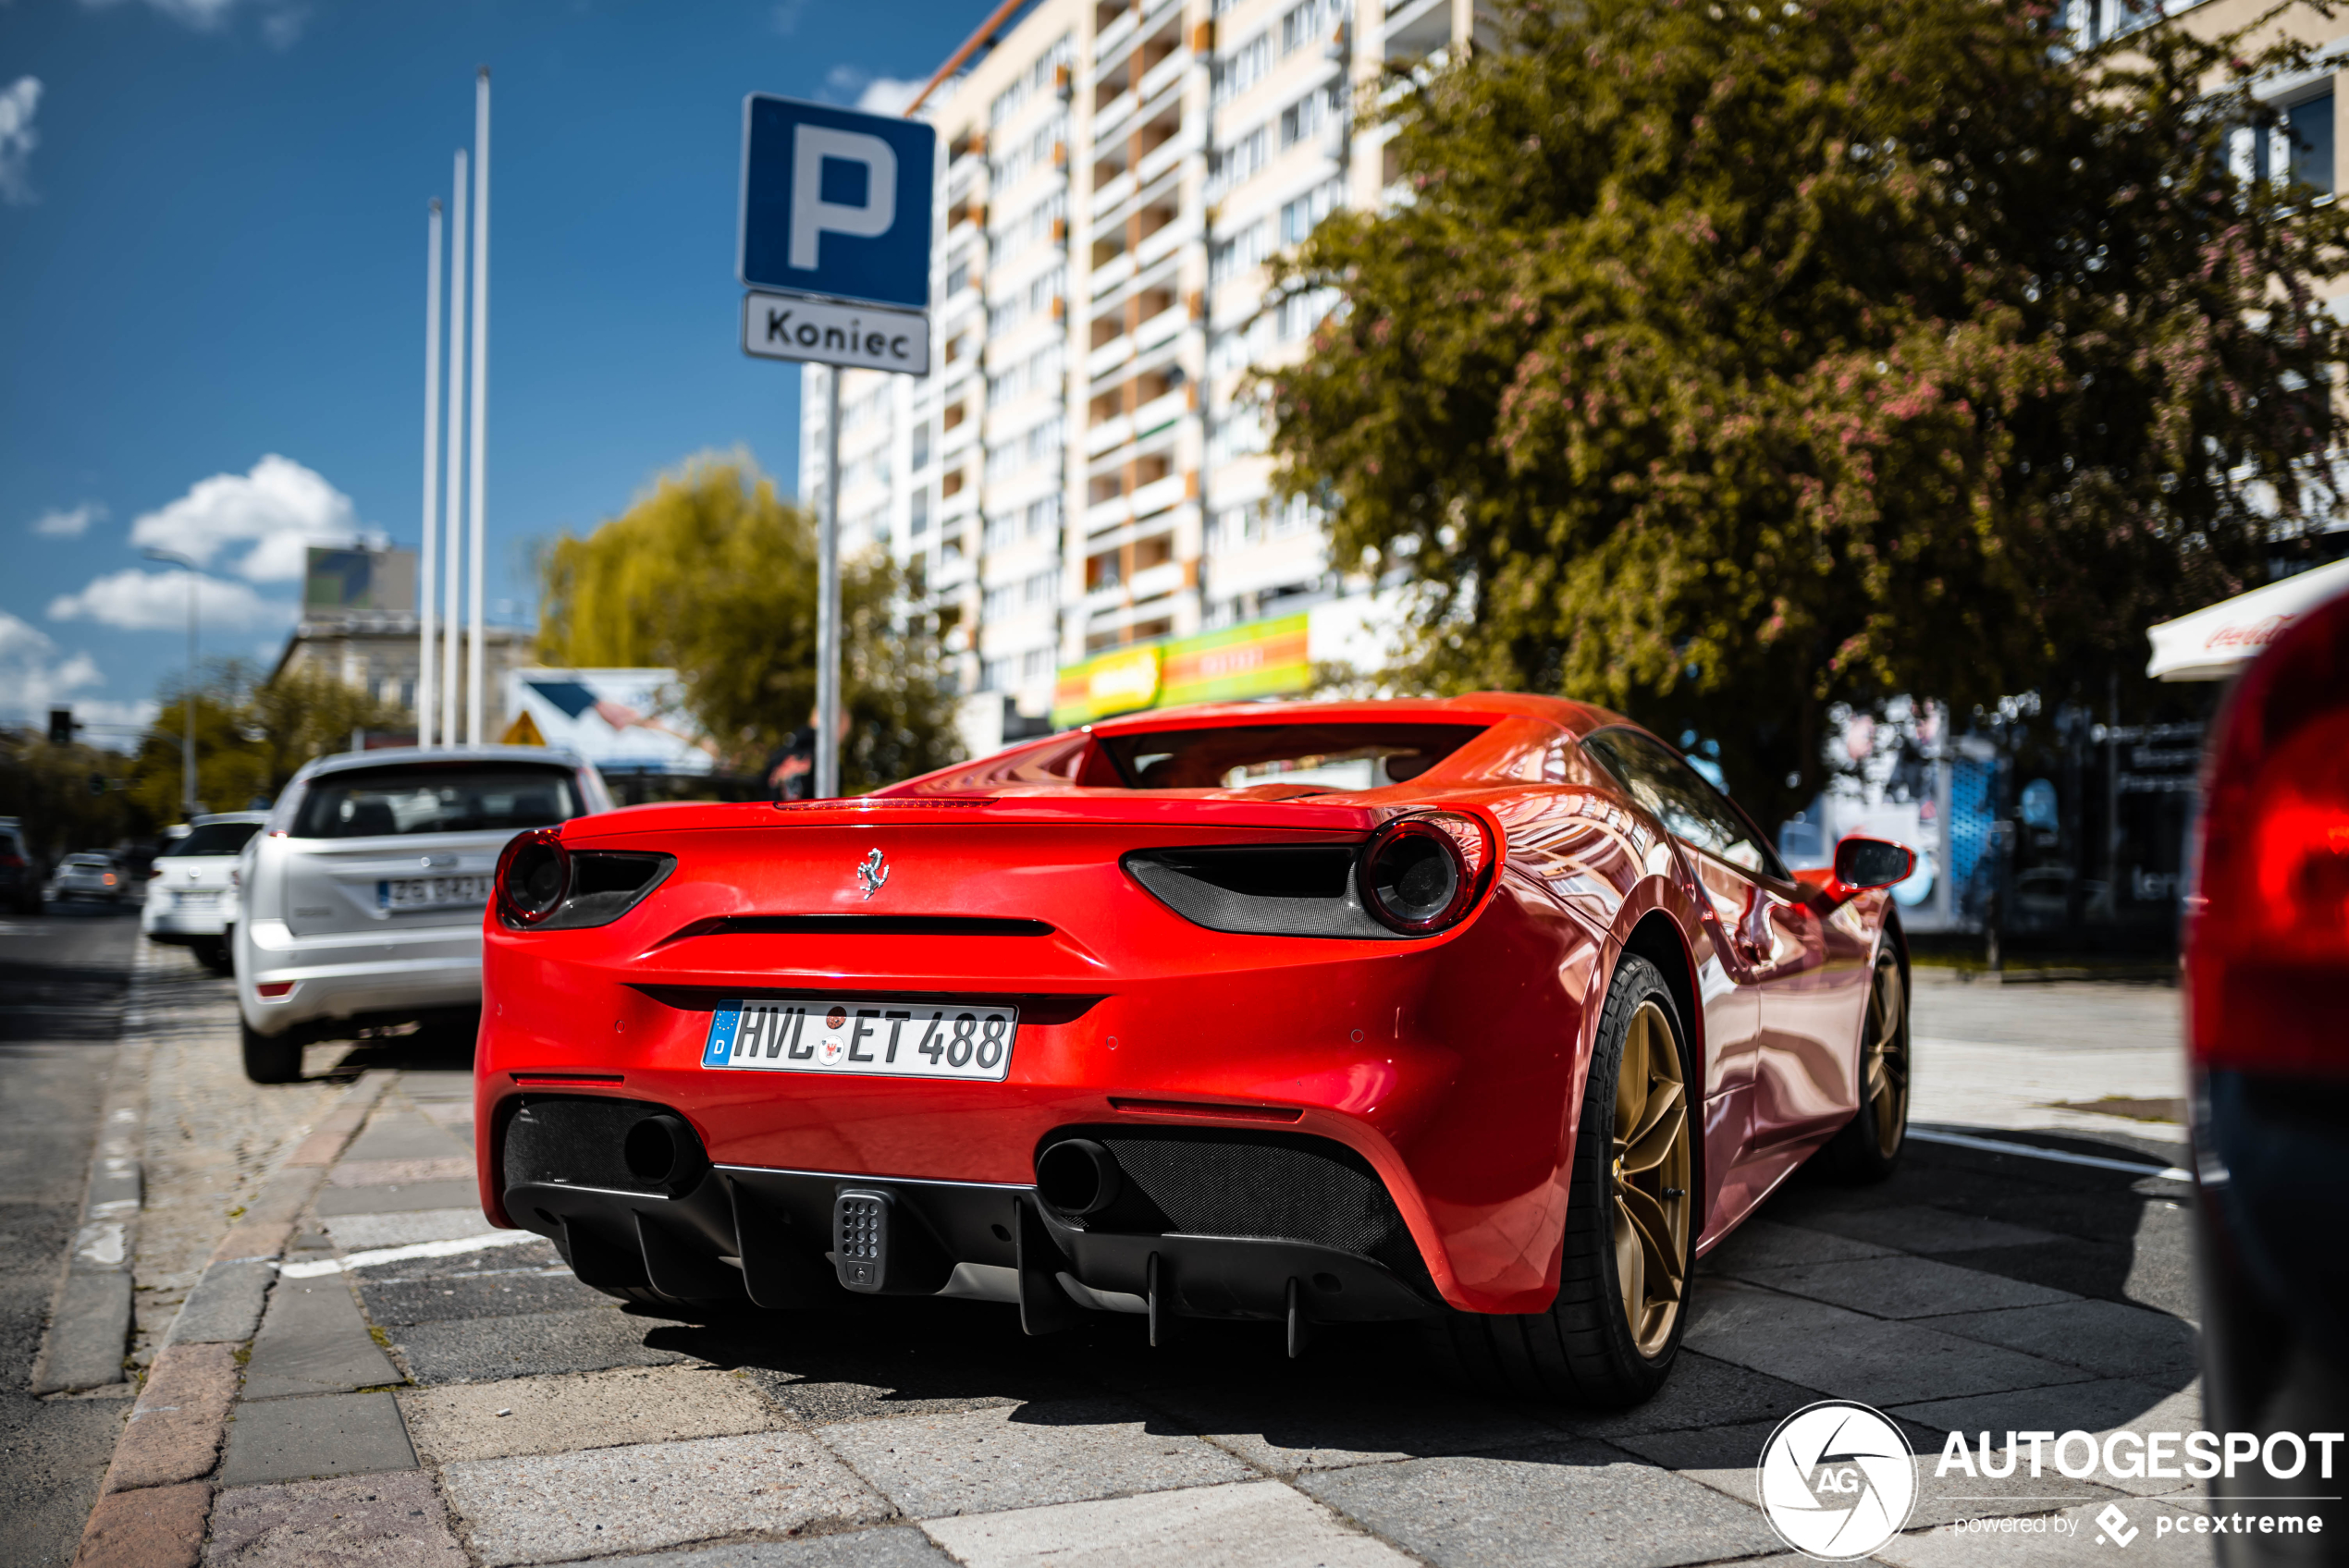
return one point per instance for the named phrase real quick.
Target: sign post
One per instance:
(835, 254)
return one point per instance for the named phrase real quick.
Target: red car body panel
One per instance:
(1454, 1064)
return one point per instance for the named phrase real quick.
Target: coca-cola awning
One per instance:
(2211, 644)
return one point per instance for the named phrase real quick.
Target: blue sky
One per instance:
(211, 236)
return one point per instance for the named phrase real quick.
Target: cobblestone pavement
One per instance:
(420, 1390)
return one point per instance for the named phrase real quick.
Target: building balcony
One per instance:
(1115, 512)
(1157, 582)
(1416, 29)
(1155, 79)
(1156, 497)
(1160, 412)
(1167, 241)
(1109, 195)
(1110, 39)
(1112, 273)
(1167, 154)
(1167, 323)
(1108, 357)
(1111, 118)
(1108, 434)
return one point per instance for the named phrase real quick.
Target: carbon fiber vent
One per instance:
(574, 1141)
(1274, 1186)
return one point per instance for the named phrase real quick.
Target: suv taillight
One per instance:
(2267, 940)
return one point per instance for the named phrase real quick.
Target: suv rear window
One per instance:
(1323, 756)
(435, 798)
(213, 839)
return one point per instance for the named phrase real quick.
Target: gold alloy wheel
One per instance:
(1884, 1080)
(1651, 1179)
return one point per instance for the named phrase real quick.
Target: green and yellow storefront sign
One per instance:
(1264, 658)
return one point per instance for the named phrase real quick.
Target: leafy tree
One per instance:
(251, 736)
(49, 789)
(1725, 362)
(710, 573)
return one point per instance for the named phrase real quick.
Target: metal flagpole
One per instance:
(425, 587)
(827, 609)
(481, 396)
(459, 204)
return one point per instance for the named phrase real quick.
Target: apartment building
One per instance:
(1080, 487)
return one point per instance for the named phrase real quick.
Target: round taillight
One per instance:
(1421, 875)
(533, 876)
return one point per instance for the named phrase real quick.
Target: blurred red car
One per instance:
(2266, 971)
(1488, 1012)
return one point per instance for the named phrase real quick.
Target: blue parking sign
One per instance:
(836, 203)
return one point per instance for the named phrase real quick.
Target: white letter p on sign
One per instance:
(811, 216)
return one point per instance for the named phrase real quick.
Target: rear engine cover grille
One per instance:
(1267, 1185)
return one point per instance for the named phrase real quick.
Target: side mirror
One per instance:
(1861, 863)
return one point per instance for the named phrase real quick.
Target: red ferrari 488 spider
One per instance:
(1487, 1011)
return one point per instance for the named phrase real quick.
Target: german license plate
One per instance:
(891, 1039)
(432, 892)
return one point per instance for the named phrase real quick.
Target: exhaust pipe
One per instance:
(663, 1151)
(1078, 1176)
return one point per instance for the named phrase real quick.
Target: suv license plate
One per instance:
(433, 892)
(891, 1039)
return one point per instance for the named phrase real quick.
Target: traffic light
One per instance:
(61, 726)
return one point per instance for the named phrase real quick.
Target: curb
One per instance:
(157, 1494)
(90, 1318)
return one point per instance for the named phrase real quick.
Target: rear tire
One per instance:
(271, 1058)
(1630, 1214)
(1868, 1148)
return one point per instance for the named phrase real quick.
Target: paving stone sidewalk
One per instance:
(418, 1389)
(465, 1400)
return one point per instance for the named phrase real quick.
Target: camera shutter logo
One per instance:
(1837, 1480)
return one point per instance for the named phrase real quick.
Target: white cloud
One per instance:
(277, 509)
(874, 94)
(202, 14)
(131, 600)
(18, 139)
(887, 95)
(31, 678)
(70, 522)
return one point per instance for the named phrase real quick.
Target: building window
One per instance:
(1242, 251)
(1310, 114)
(1300, 314)
(1036, 664)
(2311, 127)
(1242, 68)
(918, 518)
(1043, 516)
(996, 675)
(921, 448)
(1299, 217)
(1000, 603)
(1237, 162)
(1042, 588)
(998, 535)
(1305, 23)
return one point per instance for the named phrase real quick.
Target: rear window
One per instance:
(98, 862)
(1321, 756)
(381, 801)
(213, 838)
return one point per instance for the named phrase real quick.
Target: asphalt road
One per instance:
(62, 980)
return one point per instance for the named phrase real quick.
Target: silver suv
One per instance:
(361, 898)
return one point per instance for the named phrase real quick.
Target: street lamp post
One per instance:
(188, 752)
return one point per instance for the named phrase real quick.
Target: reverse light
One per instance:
(1423, 873)
(534, 873)
(2267, 941)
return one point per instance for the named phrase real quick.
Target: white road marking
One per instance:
(461, 1245)
(2061, 1157)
